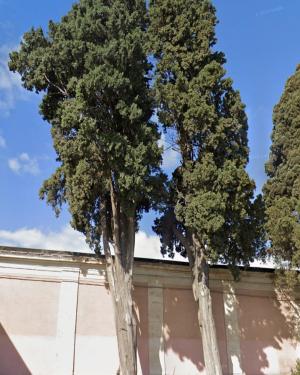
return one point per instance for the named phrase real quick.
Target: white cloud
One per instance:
(10, 83)
(65, 239)
(24, 164)
(146, 246)
(2, 142)
(170, 155)
(14, 165)
(24, 157)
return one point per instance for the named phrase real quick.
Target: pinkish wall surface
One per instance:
(28, 317)
(56, 318)
(218, 311)
(140, 296)
(183, 344)
(268, 341)
(182, 341)
(95, 345)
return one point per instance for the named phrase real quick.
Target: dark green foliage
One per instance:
(211, 194)
(92, 69)
(282, 190)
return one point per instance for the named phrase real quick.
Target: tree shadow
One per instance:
(267, 327)
(182, 336)
(11, 362)
(264, 328)
(140, 298)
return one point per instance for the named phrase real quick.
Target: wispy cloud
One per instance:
(2, 142)
(10, 84)
(24, 164)
(266, 12)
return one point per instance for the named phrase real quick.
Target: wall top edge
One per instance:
(54, 255)
(79, 258)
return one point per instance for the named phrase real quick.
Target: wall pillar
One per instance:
(156, 340)
(232, 329)
(66, 322)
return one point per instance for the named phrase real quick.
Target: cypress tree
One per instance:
(210, 215)
(92, 71)
(282, 189)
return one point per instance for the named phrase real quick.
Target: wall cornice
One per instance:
(58, 266)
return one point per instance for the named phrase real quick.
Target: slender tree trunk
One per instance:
(119, 274)
(200, 271)
(120, 287)
(205, 316)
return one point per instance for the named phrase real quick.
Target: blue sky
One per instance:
(260, 40)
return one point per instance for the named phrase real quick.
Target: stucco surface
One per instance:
(56, 317)
(140, 296)
(28, 325)
(268, 341)
(95, 345)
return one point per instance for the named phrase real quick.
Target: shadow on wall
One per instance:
(11, 362)
(264, 327)
(264, 333)
(181, 332)
(140, 297)
(182, 336)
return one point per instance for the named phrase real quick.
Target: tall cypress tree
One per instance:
(92, 71)
(282, 190)
(209, 216)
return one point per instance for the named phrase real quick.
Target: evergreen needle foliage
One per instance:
(92, 69)
(282, 190)
(211, 194)
(210, 215)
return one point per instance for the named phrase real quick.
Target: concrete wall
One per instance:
(56, 318)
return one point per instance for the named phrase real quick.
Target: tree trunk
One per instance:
(205, 316)
(119, 274)
(120, 287)
(200, 271)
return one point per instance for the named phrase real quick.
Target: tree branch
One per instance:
(105, 241)
(116, 220)
(63, 91)
(186, 243)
